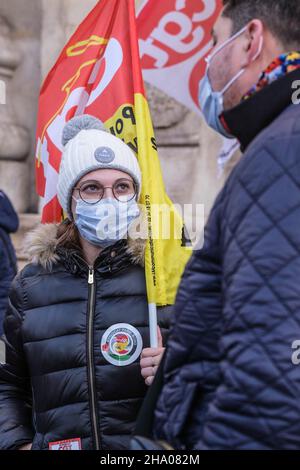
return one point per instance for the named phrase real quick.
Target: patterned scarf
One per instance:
(281, 66)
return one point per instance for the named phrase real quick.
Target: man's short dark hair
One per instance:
(281, 17)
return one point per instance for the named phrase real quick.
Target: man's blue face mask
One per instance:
(212, 102)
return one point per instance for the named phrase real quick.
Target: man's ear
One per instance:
(252, 42)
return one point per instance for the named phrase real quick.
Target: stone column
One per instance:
(20, 27)
(14, 139)
(20, 30)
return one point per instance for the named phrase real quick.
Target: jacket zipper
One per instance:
(90, 348)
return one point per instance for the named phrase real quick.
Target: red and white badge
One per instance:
(121, 344)
(68, 444)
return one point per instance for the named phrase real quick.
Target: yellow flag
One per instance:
(165, 256)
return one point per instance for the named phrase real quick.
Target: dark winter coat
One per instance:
(229, 380)
(61, 381)
(9, 223)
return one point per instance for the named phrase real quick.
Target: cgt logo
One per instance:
(179, 29)
(78, 98)
(102, 75)
(175, 37)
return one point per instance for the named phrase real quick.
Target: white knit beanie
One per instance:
(88, 146)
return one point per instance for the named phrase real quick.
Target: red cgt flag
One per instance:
(99, 73)
(174, 39)
(93, 75)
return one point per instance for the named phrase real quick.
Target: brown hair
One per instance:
(68, 235)
(281, 17)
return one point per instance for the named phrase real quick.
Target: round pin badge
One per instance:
(121, 344)
(104, 155)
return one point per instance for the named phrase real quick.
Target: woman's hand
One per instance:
(26, 447)
(150, 360)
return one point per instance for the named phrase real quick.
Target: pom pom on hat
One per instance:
(79, 123)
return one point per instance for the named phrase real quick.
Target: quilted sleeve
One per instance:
(192, 358)
(4, 282)
(15, 391)
(258, 405)
(164, 318)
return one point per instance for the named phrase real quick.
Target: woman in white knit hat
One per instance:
(77, 323)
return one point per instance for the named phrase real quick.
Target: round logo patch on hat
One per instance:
(121, 344)
(104, 155)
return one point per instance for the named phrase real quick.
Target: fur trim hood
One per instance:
(41, 247)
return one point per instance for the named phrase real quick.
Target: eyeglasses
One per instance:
(92, 192)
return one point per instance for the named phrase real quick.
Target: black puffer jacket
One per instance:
(9, 223)
(60, 381)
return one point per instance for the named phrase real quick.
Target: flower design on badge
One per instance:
(121, 344)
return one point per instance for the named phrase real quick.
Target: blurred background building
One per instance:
(32, 34)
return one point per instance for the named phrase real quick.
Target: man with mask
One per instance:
(229, 378)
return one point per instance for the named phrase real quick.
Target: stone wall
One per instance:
(20, 27)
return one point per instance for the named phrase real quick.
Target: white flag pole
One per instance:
(153, 325)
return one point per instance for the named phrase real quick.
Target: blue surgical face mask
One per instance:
(212, 102)
(105, 222)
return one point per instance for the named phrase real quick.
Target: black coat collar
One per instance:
(111, 259)
(251, 116)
